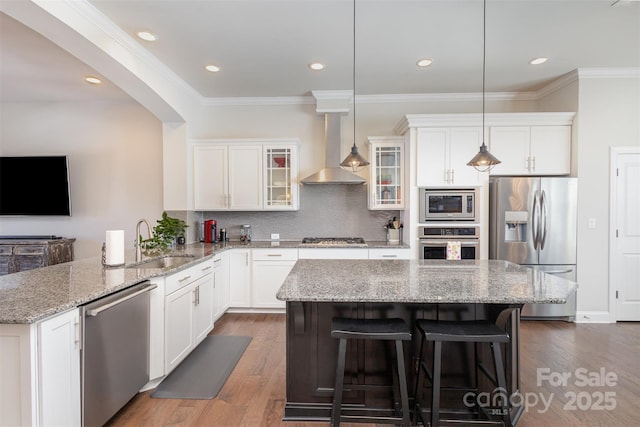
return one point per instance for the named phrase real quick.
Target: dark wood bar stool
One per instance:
(460, 331)
(371, 329)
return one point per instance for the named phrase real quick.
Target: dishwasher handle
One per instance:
(145, 287)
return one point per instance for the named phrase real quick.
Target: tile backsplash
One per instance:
(330, 210)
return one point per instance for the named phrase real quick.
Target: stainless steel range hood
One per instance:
(332, 173)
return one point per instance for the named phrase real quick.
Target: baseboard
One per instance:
(594, 317)
(255, 310)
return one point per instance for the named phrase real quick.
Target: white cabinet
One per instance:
(442, 155)
(390, 253)
(59, 370)
(281, 177)
(221, 285)
(247, 174)
(531, 150)
(333, 253)
(227, 176)
(40, 371)
(270, 268)
(239, 278)
(189, 307)
(386, 180)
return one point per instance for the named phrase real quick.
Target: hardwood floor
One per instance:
(254, 394)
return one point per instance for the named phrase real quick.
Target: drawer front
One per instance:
(275, 254)
(333, 253)
(389, 253)
(186, 276)
(29, 250)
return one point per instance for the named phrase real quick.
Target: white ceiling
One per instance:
(264, 46)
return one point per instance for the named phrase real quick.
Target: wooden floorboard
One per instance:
(254, 394)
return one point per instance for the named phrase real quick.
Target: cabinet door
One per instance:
(224, 283)
(203, 309)
(179, 335)
(245, 177)
(432, 157)
(386, 182)
(59, 370)
(280, 177)
(464, 143)
(268, 277)
(510, 145)
(210, 177)
(550, 150)
(239, 278)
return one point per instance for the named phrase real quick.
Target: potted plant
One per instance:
(167, 232)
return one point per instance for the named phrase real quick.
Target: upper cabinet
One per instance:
(245, 175)
(280, 177)
(386, 184)
(525, 143)
(531, 150)
(442, 156)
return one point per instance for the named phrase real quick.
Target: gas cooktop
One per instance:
(333, 241)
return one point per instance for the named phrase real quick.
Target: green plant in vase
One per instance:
(165, 234)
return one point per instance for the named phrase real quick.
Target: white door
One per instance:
(210, 175)
(626, 247)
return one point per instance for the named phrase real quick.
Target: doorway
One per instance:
(624, 256)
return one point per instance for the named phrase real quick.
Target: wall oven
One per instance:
(435, 239)
(447, 204)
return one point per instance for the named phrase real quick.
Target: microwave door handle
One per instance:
(543, 222)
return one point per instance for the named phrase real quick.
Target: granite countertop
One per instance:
(422, 281)
(32, 295)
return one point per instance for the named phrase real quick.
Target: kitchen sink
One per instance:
(164, 262)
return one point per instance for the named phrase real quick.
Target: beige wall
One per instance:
(609, 116)
(115, 166)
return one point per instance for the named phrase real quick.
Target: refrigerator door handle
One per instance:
(535, 220)
(543, 222)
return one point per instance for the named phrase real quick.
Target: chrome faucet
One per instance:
(137, 244)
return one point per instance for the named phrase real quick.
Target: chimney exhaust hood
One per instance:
(332, 173)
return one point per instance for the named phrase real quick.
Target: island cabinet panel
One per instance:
(312, 353)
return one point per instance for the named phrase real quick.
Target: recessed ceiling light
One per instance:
(538, 61)
(316, 66)
(424, 62)
(212, 68)
(147, 36)
(93, 80)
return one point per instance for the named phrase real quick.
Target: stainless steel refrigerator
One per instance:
(532, 222)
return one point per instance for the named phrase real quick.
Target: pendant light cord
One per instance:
(354, 73)
(484, 56)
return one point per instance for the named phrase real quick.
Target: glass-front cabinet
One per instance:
(281, 177)
(386, 184)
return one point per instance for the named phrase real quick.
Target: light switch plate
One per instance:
(275, 236)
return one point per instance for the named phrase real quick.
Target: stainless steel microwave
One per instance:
(447, 204)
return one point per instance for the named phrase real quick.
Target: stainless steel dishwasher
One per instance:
(115, 352)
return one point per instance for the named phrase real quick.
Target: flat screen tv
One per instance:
(37, 185)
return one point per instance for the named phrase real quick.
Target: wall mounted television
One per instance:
(34, 185)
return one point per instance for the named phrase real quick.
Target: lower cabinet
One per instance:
(221, 285)
(189, 311)
(240, 278)
(381, 253)
(269, 269)
(40, 371)
(333, 253)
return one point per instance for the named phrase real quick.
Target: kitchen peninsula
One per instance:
(317, 290)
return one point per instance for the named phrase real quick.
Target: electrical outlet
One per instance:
(275, 236)
(591, 223)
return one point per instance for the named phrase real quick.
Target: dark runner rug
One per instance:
(203, 373)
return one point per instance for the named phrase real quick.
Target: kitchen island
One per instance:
(317, 290)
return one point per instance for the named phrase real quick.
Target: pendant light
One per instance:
(354, 161)
(484, 161)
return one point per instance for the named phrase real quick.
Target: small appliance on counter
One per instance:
(210, 232)
(245, 233)
(223, 235)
